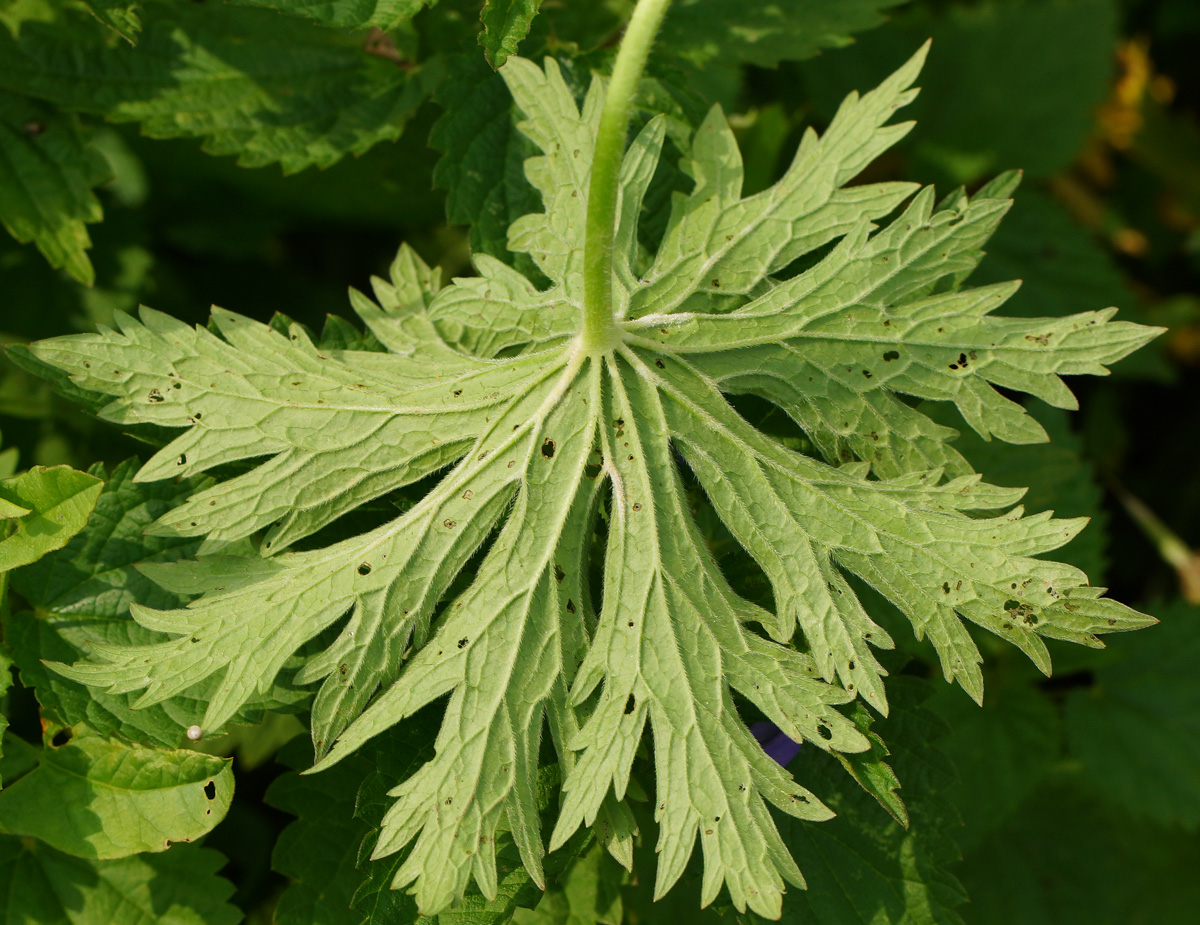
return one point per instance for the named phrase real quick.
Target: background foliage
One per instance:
(263, 156)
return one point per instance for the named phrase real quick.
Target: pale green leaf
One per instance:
(541, 443)
(47, 172)
(80, 595)
(42, 886)
(94, 798)
(43, 509)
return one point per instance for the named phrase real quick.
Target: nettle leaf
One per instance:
(122, 16)
(40, 510)
(764, 34)
(537, 442)
(94, 798)
(47, 172)
(1136, 730)
(505, 23)
(180, 887)
(80, 595)
(227, 75)
(348, 14)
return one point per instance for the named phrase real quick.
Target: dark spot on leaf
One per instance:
(462, 643)
(637, 506)
(449, 524)
(559, 574)
(891, 355)
(156, 396)
(457, 392)
(660, 364)
(182, 461)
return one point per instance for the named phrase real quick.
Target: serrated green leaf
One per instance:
(42, 509)
(764, 34)
(94, 798)
(122, 16)
(81, 595)
(348, 14)
(544, 439)
(1136, 729)
(505, 23)
(47, 173)
(1066, 480)
(42, 886)
(227, 75)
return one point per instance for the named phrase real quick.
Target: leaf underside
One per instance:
(539, 445)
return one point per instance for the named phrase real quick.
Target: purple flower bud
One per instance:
(777, 745)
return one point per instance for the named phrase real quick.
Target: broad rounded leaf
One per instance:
(99, 799)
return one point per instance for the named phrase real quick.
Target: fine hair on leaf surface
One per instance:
(538, 431)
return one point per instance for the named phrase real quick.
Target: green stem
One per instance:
(599, 328)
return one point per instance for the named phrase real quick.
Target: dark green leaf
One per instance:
(42, 886)
(1137, 728)
(47, 172)
(764, 34)
(228, 75)
(122, 16)
(347, 14)
(505, 23)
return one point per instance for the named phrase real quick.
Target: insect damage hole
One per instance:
(630, 704)
(364, 568)
(548, 448)
(210, 790)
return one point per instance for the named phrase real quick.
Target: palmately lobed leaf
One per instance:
(539, 443)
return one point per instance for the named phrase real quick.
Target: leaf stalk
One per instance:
(599, 324)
